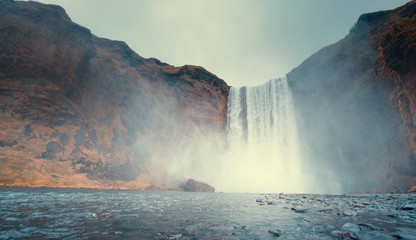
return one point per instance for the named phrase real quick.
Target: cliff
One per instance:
(356, 103)
(77, 110)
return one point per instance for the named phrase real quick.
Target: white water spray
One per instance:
(263, 147)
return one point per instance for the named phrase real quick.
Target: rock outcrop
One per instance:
(356, 102)
(192, 185)
(77, 110)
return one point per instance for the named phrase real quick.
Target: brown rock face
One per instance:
(81, 111)
(192, 185)
(356, 101)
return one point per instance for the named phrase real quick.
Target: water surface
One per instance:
(49, 213)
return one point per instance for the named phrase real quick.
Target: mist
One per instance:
(327, 127)
(274, 141)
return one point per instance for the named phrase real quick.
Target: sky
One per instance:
(244, 42)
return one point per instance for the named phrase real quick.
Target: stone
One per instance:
(273, 203)
(343, 234)
(298, 210)
(350, 227)
(319, 229)
(350, 213)
(276, 233)
(177, 236)
(367, 226)
(405, 233)
(192, 185)
(409, 207)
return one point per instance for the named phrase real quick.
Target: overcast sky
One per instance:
(244, 42)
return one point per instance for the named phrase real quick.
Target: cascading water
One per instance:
(263, 146)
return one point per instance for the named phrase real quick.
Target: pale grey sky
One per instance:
(244, 42)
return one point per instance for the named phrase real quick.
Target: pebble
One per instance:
(409, 207)
(276, 233)
(177, 236)
(366, 226)
(350, 213)
(298, 210)
(319, 229)
(344, 234)
(393, 215)
(350, 227)
(359, 206)
(328, 209)
(405, 233)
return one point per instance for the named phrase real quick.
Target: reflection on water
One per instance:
(122, 214)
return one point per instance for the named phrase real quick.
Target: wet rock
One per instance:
(298, 210)
(192, 185)
(305, 219)
(328, 209)
(276, 233)
(393, 215)
(405, 233)
(273, 203)
(177, 236)
(344, 234)
(240, 227)
(359, 206)
(350, 213)
(350, 227)
(319, 229)
(367, 226)
(409, 207)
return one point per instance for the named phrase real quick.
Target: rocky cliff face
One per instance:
(356, 102)
(82, 111)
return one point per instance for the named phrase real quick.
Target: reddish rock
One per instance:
(81, 111)
(192, 185)
(356, 102)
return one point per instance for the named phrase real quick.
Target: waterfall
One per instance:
(264, 152)
(262, 114)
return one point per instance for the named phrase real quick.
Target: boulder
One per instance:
(192, 185)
